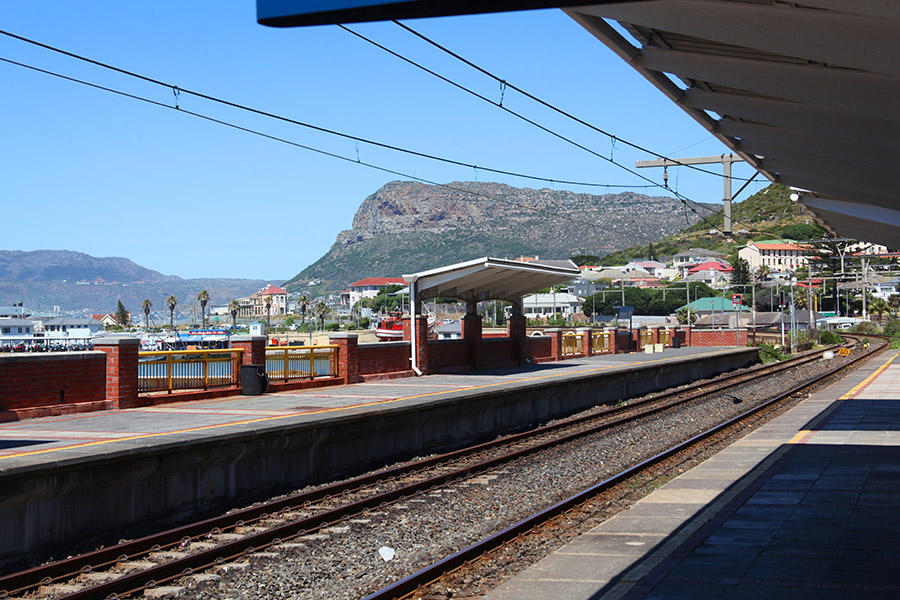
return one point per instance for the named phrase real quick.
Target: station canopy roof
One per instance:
(806, 92)
(491, 279)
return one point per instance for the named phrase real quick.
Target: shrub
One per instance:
(830, 338)
(770, 353)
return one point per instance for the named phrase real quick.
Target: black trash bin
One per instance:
(676, 341)
(254, 381)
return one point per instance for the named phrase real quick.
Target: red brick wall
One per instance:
(716, 337)
(497, 352)
(37, 385)
(538, 348)
(383, 357)
(448, 355)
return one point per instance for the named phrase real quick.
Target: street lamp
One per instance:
(793, 316)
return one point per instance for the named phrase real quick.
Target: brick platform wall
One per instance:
(716, 337)
(538, 349)
(383, 357)
(39, 385)
(497, 352)
(448, 355)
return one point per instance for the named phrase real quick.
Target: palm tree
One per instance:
(145, 305)
(268, 301)
(879, 307)
(172, 302)
(203, 298)
(321, 309)
(234, 307)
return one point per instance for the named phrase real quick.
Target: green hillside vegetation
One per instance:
(768, 214)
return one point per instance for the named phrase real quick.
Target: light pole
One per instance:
(793, 316)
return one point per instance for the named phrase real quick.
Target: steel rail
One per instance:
(408, 585)
(104, 558)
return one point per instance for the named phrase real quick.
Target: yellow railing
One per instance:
(571, 343)
(301, 362)
(601, 341)
(168, 370)
(646, 337)
(665, 337)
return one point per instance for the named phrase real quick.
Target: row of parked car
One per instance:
(45, 347)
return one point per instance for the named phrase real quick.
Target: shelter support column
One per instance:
(516, 329)
(471, 332)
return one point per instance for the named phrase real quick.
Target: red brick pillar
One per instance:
(555, 342)
(121, 370)
(585, 333)
(421, 340)
(516, 329)
(471, 332)
(254, 347)
(348, 355)
(687, 336)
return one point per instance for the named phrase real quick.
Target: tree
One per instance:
(145, 306)
(303, 303)
(121, 314)
(740, 273)
(651, 252)
(234, 307)
(682, 316)
(879, 307)
(321, 310)
(203, 298)
(585, 259)
(268, 301)
(172, 302)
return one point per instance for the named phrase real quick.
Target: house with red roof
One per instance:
(367, 288)
(777, 255)
(712, 265)
(256, 304)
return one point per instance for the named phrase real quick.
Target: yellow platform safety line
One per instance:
(805, 435)
(865, 382)
(145, 436)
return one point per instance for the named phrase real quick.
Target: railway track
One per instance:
(415, 585)
(130, 568)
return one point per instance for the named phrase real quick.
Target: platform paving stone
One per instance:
(807, 507)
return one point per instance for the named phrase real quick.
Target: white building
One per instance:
(13, 331)
(367, 288)
(541, 306)
(776, 255)
(68, 328)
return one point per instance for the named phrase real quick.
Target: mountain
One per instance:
(407, 227)
(75, 281)
(767, 214)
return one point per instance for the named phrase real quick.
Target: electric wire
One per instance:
(181, 90)
(182, 110)
(506, 84)
(684, 199)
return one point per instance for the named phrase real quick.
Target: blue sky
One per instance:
(90, 171)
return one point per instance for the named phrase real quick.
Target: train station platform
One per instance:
(80, 476)
(803, 508)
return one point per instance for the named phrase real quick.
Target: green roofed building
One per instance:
(709, 305)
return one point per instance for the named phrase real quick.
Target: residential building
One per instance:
(692, 257)
(106, 319)
(64, 328)
(15, 330)
(654, 268)
(367, 288)
(16, 311)
(255, 306)
(776, 255)
(542, 306)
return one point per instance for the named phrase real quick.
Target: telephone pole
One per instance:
(725, 159)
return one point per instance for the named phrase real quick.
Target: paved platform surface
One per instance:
(35, 442)
(806, 507)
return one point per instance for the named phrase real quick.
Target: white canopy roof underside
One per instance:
(808, 93)
(491, 279)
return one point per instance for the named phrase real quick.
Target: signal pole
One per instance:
(726, 161)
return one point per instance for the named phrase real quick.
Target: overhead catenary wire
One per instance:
(684, 199)
(506, 84)
(179, 90)
(354, 160)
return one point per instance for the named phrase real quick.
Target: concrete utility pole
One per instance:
(726, 161)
